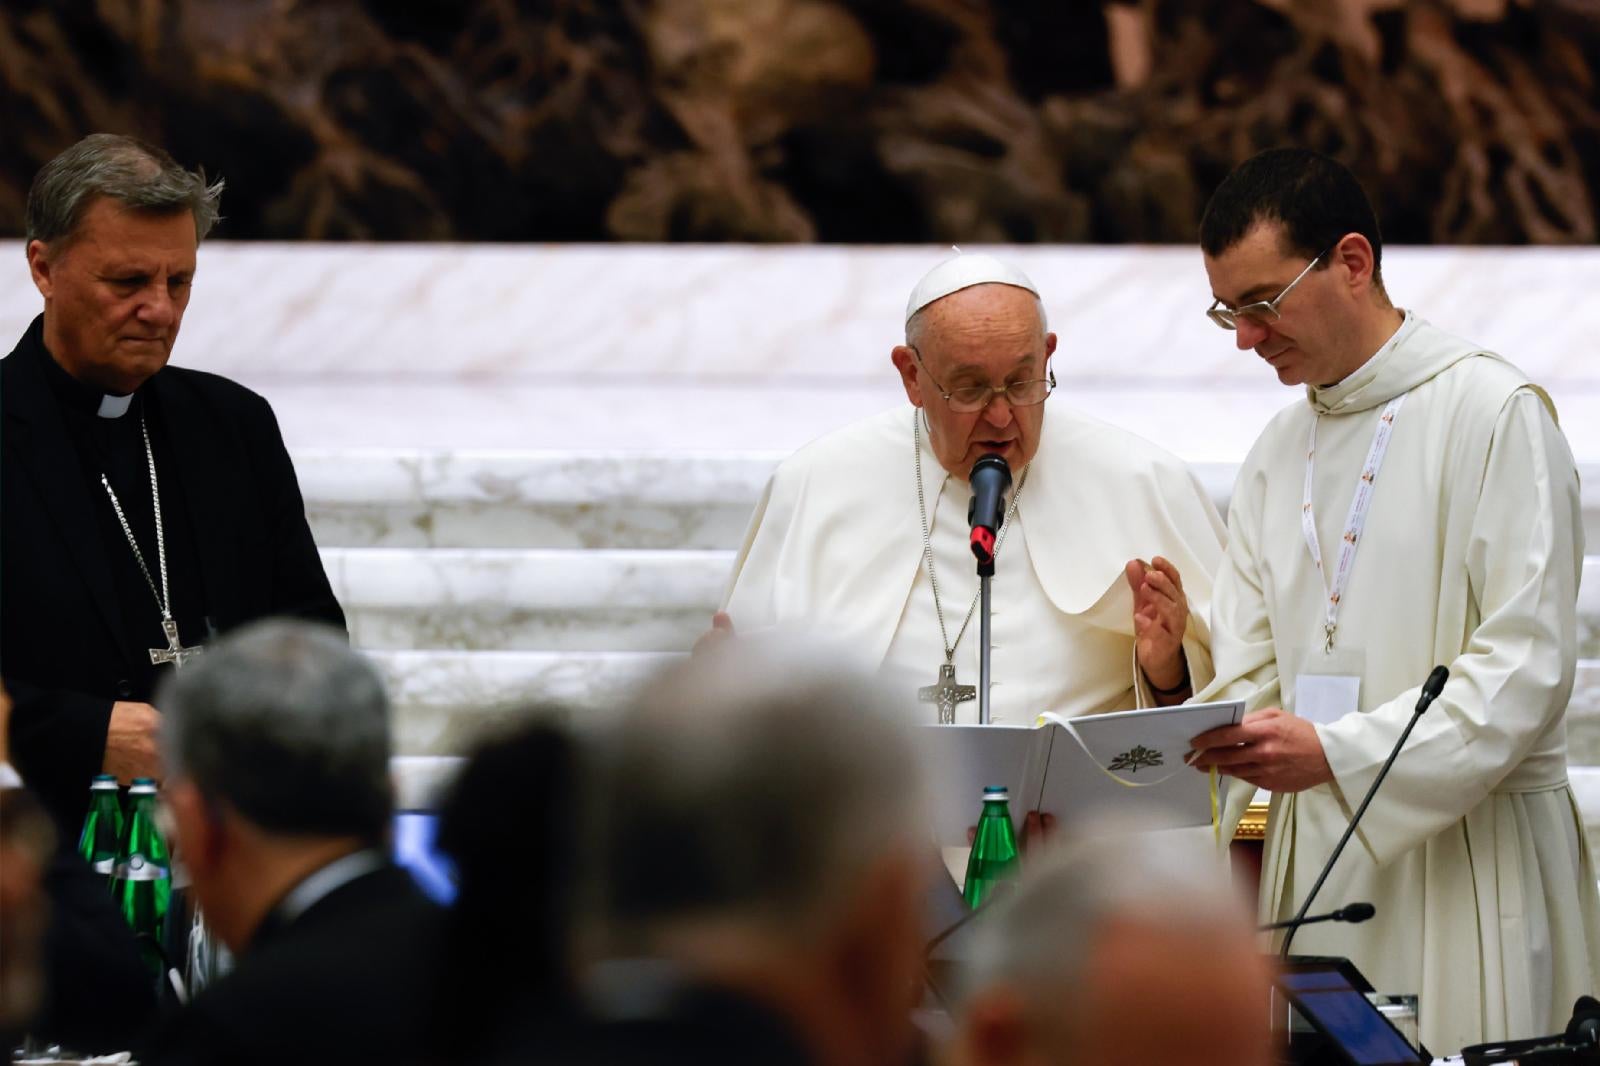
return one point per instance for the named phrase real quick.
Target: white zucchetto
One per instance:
(962, 271)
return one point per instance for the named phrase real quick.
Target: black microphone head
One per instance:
(1435, 683)
(990, 465)
(1584, 1028)
(1357, 912)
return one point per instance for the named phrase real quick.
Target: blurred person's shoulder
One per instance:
(350, 980)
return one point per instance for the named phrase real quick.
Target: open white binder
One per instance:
(1128, 763)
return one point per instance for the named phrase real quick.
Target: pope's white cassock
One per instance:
(1473, 850)
(836, 545)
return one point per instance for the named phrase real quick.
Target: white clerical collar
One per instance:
(114, 406)
(1383, 349)
(324, 882)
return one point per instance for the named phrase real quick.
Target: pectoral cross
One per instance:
(174, 653)
(947, 694)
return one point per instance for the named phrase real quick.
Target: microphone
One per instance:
(991, 480)
(1430, 691)
(1354, 912)
(1584, 1028)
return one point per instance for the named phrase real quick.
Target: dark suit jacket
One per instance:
(686, 1024)
(349, 981)
(98, 995)
(62, 653)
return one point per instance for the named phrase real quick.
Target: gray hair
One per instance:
(755, 785)
(129, 171)
(288, 725)
(917, 324)
(1038, 940)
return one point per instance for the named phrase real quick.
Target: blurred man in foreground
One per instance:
(70, 973)
(759, 874)
(277, 743)
(1124, 949)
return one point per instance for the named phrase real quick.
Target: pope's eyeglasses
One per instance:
(970, 399)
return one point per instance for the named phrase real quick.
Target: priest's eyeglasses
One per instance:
(1262, 312)
(970, 399)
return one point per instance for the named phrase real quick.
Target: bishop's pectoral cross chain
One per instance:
(174, 653)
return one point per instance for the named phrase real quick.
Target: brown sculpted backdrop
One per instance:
(835, 120)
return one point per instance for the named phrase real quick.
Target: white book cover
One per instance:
(1125, 763)
(1130, 764)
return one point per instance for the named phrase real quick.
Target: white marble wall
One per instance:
(542, 312)
(584, 347)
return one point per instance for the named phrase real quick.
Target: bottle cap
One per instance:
(104, 783)
(995, 792)
(143, 786)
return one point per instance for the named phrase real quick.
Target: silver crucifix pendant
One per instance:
(174, 653)
(947, 694)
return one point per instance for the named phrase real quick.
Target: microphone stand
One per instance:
(985, 572)
(1430, 690)
(990, 477)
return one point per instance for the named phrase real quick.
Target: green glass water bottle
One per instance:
(142, 883)
(102, 826)
(994, 849)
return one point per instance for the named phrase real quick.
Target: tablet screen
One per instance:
(415, 851)
(1330, 1003)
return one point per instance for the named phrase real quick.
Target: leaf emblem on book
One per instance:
(1136, 758)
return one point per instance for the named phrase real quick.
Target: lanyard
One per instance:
(1360, 503)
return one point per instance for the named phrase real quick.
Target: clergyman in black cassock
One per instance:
(80, 610)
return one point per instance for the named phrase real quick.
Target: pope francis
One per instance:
(863, 533)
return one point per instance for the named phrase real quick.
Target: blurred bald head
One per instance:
(757, 832)
(1127, 948)
(757, 782)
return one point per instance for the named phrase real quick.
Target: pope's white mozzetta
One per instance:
(1470, 554)
(836, 544)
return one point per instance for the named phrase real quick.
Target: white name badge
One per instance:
(1326, 698)
(1328, 685)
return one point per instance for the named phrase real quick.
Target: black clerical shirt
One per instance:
(115, 447)
(77, 618)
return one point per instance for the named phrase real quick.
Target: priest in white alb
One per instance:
(863, 534)
(1418, 507)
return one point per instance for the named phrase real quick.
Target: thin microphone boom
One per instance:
(1353, 912)
(1430, 691)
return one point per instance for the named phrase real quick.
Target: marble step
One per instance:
(532, 600)
(1583, 715)
(601, 600)
(444, 700)
(489, 499)
(1589, 605)
(552, 499)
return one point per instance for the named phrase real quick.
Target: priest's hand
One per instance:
(1160, 617)
(1270, 749)
(721, 629)
(131, 742)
